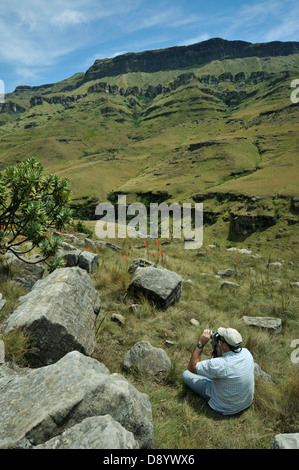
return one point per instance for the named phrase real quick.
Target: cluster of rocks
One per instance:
(72, 404)
(72, 256)
(68, 399)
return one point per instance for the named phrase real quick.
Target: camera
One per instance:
(215, 341)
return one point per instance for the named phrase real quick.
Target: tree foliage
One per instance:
(31, 206)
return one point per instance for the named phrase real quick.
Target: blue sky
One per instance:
(45, 41)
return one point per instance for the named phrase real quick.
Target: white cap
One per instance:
(231, 336)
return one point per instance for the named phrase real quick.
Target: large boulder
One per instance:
(98, 432)
(59, 314)
(158, 285)
(148, 360)
(46, 401)
(286, 441)
(88, 261)
(271, 324)
(69, 254)
(72, 256)
(139, 263)
(24, 271)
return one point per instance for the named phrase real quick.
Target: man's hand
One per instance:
(195, 358)
(205, 337)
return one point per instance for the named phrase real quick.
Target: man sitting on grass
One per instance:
(226, 382)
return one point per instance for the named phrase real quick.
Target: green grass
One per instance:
(137, 143)
(183, 420)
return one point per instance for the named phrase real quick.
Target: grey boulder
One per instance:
(160, 286)
(147, 359)
(286, 441)
(47, 401)
(72, 256)
(273, 325)
(25, 273)
(97, 432)
(59, 314)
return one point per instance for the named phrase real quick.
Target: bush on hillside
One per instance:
(31, 206)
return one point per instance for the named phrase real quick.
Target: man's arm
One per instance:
(196, 355)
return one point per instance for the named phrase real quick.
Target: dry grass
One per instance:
(183, 420)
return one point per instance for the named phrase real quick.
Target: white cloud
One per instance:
(67, 17)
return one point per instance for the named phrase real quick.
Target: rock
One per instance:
(243, 251)
(227, 285)
(69, 254)
(276, 265)
(245, 224)
(72, 256)
(139, 262)
(295, 284)
(258, 372)
(102, 243)
(59, 314)
(135, 308)
(117, 317)
(147, 359)
(295, 204)
(2, 352)
(194, 322)
(158, 285)
(49, 400)
(25, 273)
(88, 261)
(286, 441)
(97, 432)
(201, 253)
(2, 302)
(276, 282)
(274, 325)
(227, 272)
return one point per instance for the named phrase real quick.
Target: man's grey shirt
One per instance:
(232, 386)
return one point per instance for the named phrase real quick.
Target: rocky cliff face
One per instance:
(186, 56)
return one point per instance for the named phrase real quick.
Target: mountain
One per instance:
(211, 122)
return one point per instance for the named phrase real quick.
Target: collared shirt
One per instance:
(232, 381)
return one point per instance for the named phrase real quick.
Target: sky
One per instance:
(45, 41)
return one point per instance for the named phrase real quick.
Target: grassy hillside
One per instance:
(223, 132)
(136, 131)
(183, 420)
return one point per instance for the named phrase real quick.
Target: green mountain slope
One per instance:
(206, 121)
